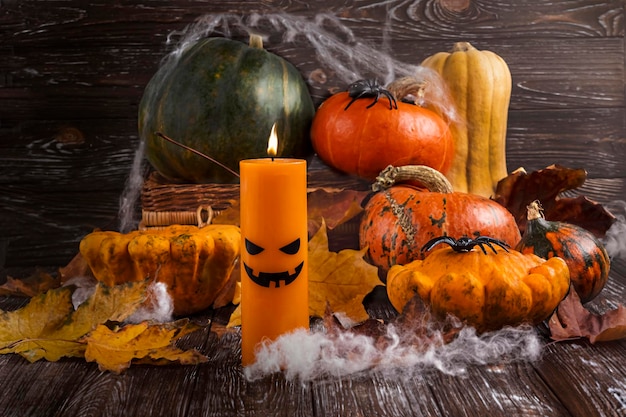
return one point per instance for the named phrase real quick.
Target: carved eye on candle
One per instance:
(264, 278)
(253, 249)
(292, 248)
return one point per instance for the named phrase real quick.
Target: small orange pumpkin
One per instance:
(362, 139)
(399, 219)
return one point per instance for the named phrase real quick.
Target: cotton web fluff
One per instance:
(159, 306)
(307, 355)
(615, 238)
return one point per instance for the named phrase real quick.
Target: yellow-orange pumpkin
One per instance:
(487, 290)
(195, 263)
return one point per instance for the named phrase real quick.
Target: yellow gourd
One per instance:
(487, 290)
(195, 263)
(480, 85)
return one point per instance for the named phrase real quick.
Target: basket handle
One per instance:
(201, 213)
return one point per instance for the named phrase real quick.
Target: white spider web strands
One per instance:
(335, 46)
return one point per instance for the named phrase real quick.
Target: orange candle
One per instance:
(274, 261)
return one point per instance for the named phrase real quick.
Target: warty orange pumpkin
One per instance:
(399, 219)
(486, 289)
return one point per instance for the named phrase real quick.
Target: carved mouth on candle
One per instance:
(265, 278)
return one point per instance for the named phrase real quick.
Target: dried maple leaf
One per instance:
(341, 280)
(37, 283)
(78, 267)
(49, 327)
(519, 189)
(572, 320)
(114, 349)
(333, 207)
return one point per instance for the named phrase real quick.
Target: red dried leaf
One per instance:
(334, 206)
(572, 321)
(519, 189)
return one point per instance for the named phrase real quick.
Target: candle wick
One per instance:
(272, 159)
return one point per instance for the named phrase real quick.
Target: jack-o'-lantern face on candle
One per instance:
(290, 254)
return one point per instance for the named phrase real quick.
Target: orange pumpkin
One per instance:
(400, 219)
(362, 140)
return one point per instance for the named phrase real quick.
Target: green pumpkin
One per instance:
(221, 98)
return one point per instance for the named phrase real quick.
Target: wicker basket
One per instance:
(164, 203)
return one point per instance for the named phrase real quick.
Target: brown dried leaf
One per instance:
(332, 206)
(37, 283)
(519, 189)
(572, 321)
(77, 267)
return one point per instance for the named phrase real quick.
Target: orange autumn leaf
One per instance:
(340, 280)
(114, 349)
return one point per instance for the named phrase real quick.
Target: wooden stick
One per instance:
(215, 161)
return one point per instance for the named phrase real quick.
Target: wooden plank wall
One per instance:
(72, 74)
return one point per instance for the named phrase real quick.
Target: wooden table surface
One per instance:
(573, 378)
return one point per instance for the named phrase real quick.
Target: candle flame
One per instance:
(272, 143)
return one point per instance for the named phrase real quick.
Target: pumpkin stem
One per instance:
(534, 211)
(430, 178)
(462, 47)
(256, 41)
(408, 86)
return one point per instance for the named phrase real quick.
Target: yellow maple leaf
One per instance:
(23, 330)
(49, 327)
(339, 280)
(115, 349)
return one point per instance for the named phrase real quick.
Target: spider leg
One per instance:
(349, 104)
(488, 243)
(491, 240)
(482, 247)
(355, 98)
(435, 241)
(392, 99)
(376, 97)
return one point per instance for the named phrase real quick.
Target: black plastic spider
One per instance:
(369, 88)
(466, 244)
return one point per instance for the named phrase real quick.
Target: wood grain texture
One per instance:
(72, 74)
